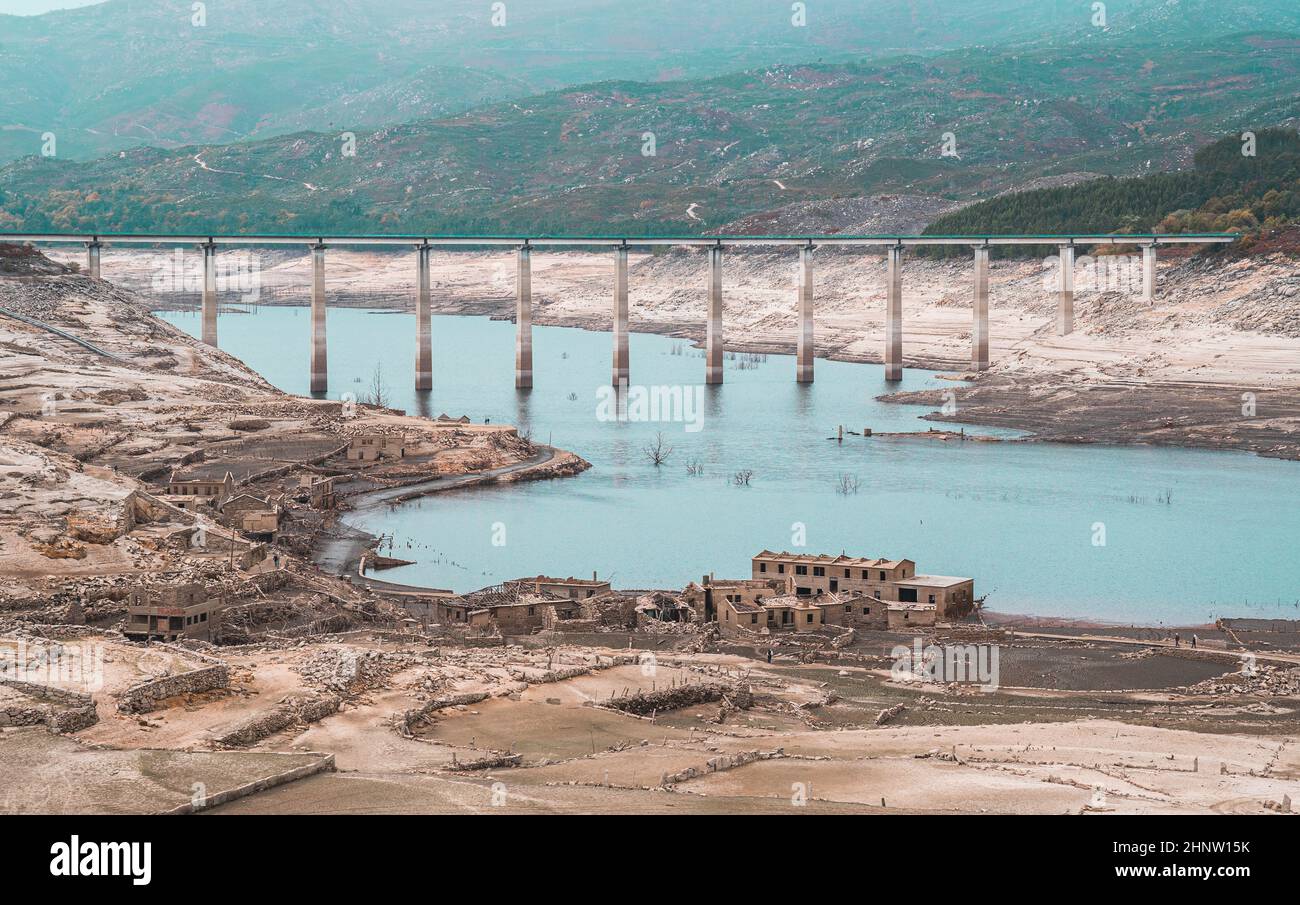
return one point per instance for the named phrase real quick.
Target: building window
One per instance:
(780, 568)
(819, 571)
(848, 610)
(753, 619)
(846, 574)
(762, 567)
(932, 598)
(866, 611)
(882, 576)
(801, 570)
(810, 617)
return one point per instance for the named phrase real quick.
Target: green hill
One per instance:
(572, 161)
(1224, 191)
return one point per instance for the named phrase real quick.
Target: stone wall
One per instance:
(289, 712)
(145, 697)
(720, 764)
(405, 722)
(323, 765)
(646, 703)
(58, 709)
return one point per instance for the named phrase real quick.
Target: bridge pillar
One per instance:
(621, 363)
(713, 326)
(1149, 273)
(92, 257)
(208, 308)
(1065, 292)
(979, 353)
(805, 357)
(894, 314)
(423, 322)
(319, 362)
(524, 320)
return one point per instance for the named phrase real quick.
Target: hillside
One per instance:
(127, 73)
(730, 147)
(1224, 191)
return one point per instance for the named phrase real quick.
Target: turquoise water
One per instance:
(1189, 535)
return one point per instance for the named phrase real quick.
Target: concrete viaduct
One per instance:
(423, 245)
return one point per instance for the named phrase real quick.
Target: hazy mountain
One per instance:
(138, 72)
(573, 160)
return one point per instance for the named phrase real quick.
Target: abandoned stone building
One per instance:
(373, 447)
(172, 613)
(890, 581)
(658, 607)
(706, 596)
(253, 514)
(320, 491)
(790, 613)
(852, 609)
(201, 486)
(572, 588)
(563, 605)
(522, 617)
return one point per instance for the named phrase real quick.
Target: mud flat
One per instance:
(45, 774)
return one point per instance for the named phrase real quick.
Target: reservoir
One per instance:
(1142, 535)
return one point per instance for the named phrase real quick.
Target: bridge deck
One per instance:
(618, 241)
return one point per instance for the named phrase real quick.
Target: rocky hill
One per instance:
(126, 73)
(691, 156)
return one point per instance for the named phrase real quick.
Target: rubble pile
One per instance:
(1279, 681)
(347, 671)
(645, 703)
(291, 711)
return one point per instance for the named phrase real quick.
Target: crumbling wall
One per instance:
(552, 675)
(145, 697)
(60, 711)
(720, 764)
(290, 712)
(645, 703)
(408, 720)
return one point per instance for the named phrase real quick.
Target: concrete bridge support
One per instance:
(621, 369)
(1065, 292)
(980, 331)
(524, 320)
(713, 327)
(894, 314)
(92, 258)
(1148, 273)
(805, 357)
(423, 322)
(208, 308)
(319, 359)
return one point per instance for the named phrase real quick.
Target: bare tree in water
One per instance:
(378, 394)
(658, 451)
